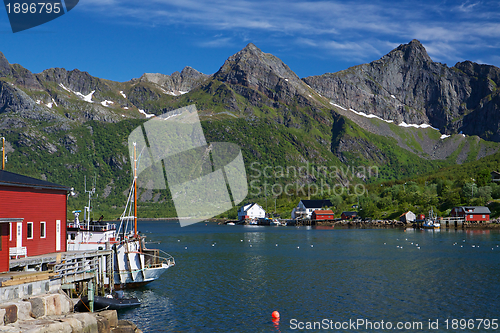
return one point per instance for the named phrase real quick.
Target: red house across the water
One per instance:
(32, 217)
(348, 215)
(472, 213)
(322, 215)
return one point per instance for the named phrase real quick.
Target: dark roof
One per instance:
(316, 203)
(350, 213)
(476, 209)
(242, 208)
(13, 179)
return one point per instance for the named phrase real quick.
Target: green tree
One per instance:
(483, 177)
(368, 209)
(469, 190)
(485, 193)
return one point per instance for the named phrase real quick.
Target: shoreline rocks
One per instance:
(49, 313)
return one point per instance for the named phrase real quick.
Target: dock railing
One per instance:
(81, 266)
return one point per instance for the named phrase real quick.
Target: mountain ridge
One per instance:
(407, 86)
(404, 85)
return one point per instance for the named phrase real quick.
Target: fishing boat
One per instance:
(431, 222)
(134, 265)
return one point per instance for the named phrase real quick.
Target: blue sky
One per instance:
(121, 39)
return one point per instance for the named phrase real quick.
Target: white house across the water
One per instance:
(305, 208)
(251, 211)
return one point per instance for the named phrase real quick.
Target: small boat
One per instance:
(431, 222)
(275, 222)
(253, 221)
(264, 221)
(108, 302)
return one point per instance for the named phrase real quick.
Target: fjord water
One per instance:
(231, 278)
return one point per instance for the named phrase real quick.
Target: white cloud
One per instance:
(361, 29)
(467, 6)
(217, 42)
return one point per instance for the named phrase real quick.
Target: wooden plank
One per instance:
(27, 279)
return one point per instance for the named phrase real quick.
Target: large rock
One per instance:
(110, 315)
(50, 305)
(125, 326)
(75, 324)
(23, 309)
(10, 315)
(88, 320)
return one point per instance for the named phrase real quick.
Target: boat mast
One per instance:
(88, 209)
(3, 153)
(135, 190)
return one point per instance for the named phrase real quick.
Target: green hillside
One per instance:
(275, 156)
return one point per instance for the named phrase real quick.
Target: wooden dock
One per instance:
(71, 268)
(450, 222)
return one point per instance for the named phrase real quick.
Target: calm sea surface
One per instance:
(231, 278)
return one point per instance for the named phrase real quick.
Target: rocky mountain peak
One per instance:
(407, 86)
(414, 51)
(250, 48)
(251, 66)
(253, 69)
(177, 82)
(4, 66)
(190, 71)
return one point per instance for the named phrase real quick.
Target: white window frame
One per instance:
(28, 229)
(43, 226)
(10, 231)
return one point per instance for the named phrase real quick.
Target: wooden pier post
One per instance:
(91, 294)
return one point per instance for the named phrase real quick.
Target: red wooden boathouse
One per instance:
(326, 215)
(36, 214)
(471, 213)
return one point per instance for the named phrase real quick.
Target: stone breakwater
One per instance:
(54, 313)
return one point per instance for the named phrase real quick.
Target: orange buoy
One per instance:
(276, 315)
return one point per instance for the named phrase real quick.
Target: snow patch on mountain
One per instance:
(107, 103)
(86, 98)
(148, 115)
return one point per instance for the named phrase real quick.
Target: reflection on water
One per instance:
(231, 278)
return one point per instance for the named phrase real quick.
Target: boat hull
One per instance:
(133, 264)
(101, 303)
(136, 266)
(125, 280)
